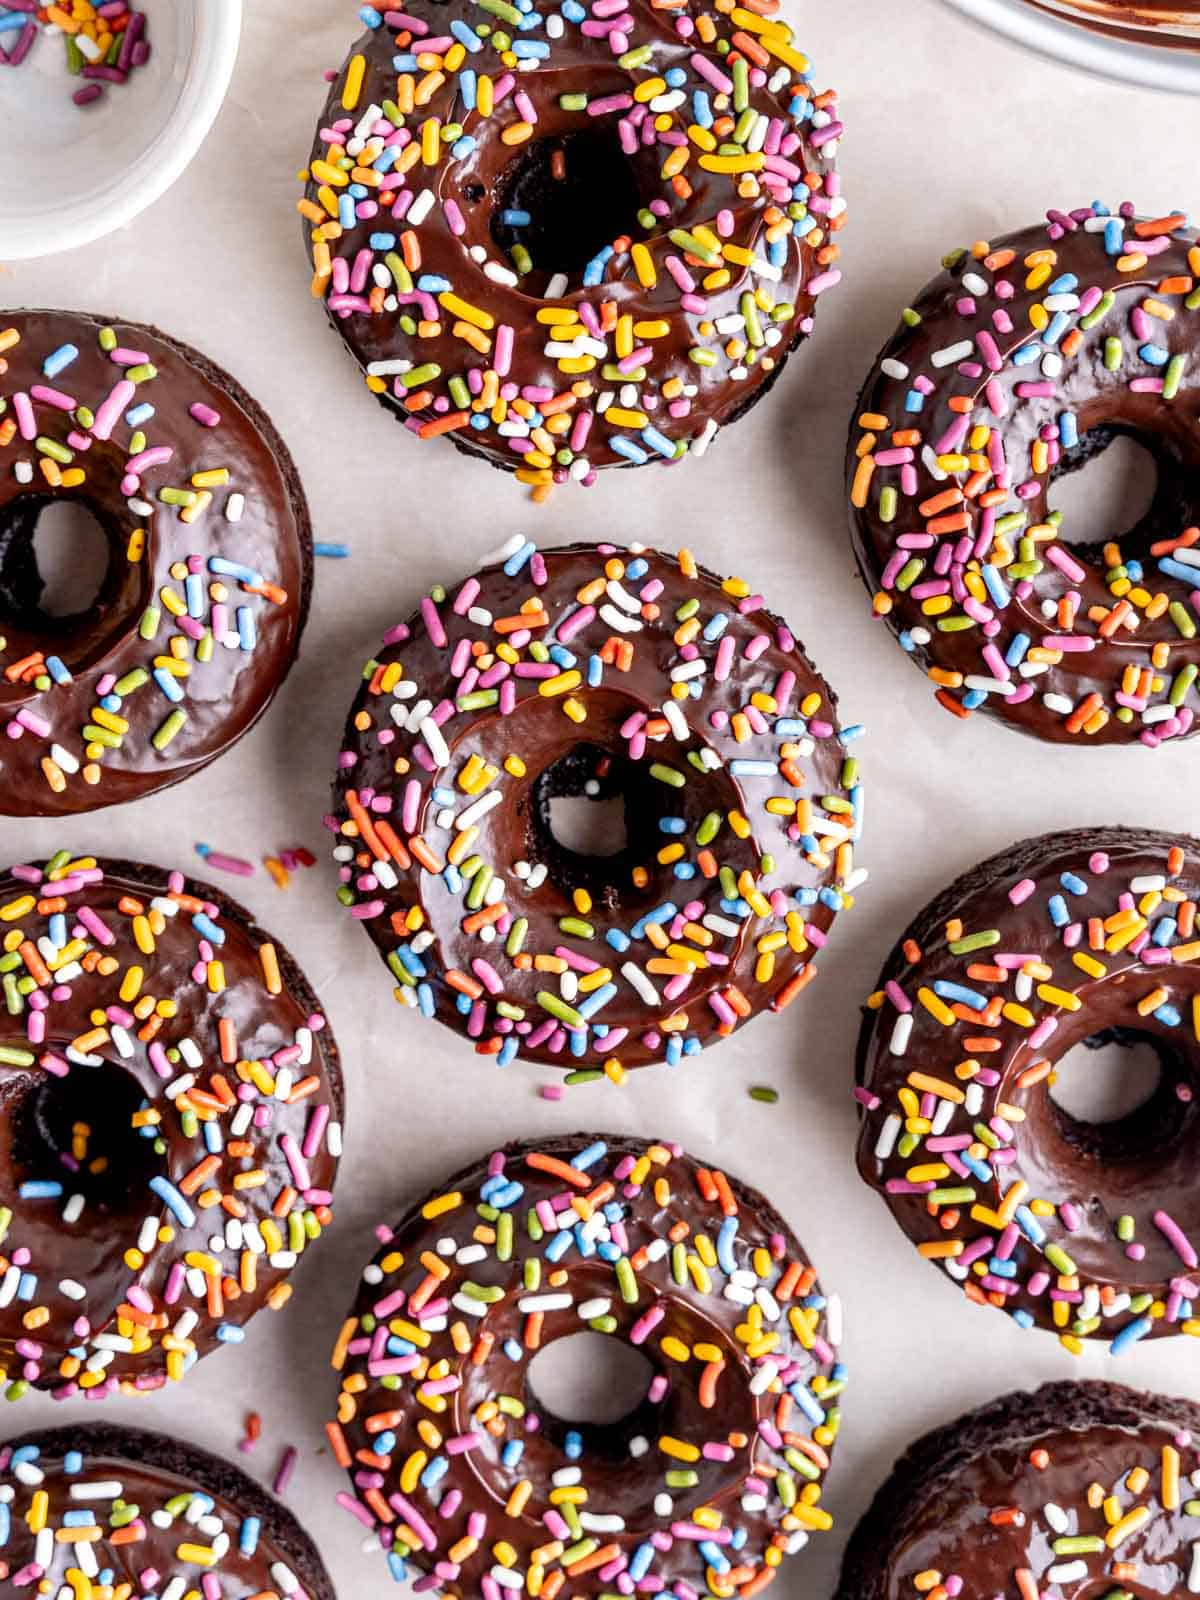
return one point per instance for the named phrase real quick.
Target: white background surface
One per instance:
(952, 136)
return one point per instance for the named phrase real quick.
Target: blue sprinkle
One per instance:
(337, 551)
(248, 1536)
(59, 360)
(173, 1200)
(1130, 1335)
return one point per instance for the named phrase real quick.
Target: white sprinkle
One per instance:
(420, 208)
(888, 1135)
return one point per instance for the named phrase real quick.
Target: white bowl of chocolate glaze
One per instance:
(1155, 44)
(72, 174)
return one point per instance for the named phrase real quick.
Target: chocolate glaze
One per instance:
(947, 1507)
(111, 1083)
(1102, 403)
(495, 176)
(1169, 27)
(649, 1193)
(1139, 1167)
(222, 697)
(384, 764)
(153, 1471)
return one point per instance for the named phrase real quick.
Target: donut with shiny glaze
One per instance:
(1084, 1490)
(1024, 358)
(624, 674)
(466, 1477)
(1087, 1229)
(204, 598)
(573, 236)
(95, 1510)
(170, 1121)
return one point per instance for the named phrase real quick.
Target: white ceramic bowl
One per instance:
(1157, 66)
(72, 174)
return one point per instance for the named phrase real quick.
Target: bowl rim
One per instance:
(211, 58)
(1148, 65)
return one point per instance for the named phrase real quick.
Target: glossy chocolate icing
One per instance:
(213, 1506)
(221, 697)
(157, 1061)
(976, 1505)
(1172, 26)
(984, 303)
(772, 1412)
(462, 252)
(1142, 1167)
(387, 775)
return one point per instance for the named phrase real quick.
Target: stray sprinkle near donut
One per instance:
(206, 591)
(1086, 1490)
(571, 236)
(617, 674)
(1025, 357)
(1090, 1230)
(172, 1110)
(704, 1487)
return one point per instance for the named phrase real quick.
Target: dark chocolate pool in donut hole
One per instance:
(715, 1470)
(573, 237)
(1088, 1228)
(204, 573)
(1025, 357)
(607, 675)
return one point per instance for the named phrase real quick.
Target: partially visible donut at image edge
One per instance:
(1082, 1489)
(207, 567)
(171, 1108)
(593, 672)
(1024, 359)
(96, 1510)
(1089, 1229)
(471, 1484)
(570, 237)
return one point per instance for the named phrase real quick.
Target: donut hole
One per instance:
(594, 817)
(592, 1379)
(1116, 484)
(56, 562)
(563, 199)
(78, 1131)
(1116, 1095)
(590, 824)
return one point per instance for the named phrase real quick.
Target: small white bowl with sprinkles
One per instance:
(103, 104)
(1155, 43)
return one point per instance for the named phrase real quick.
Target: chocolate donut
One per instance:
(1016, 365)
(172, 1104)
(1079, 1489)
(613, 672)
(93, 1510)
(1089, 1229)
(704, 1487)
(209, 569)
(573, 237)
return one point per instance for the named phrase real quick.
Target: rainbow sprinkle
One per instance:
(133, 1008)
(459, 1474)
(668, 329)
(104, 42)
(959, 1058)
(673, 684)
(986, 391)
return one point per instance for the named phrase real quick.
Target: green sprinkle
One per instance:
(168, 728)
(670, 775)
(560, 1009)
(766, 1095)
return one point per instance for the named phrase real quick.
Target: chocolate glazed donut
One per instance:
(708, 1482)
(573, 237)
(1080, 1489)
(1088, 1229)
(209, 567)
(614, 673)
(1024, 358)
(169, 1517)
(170, 1122)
